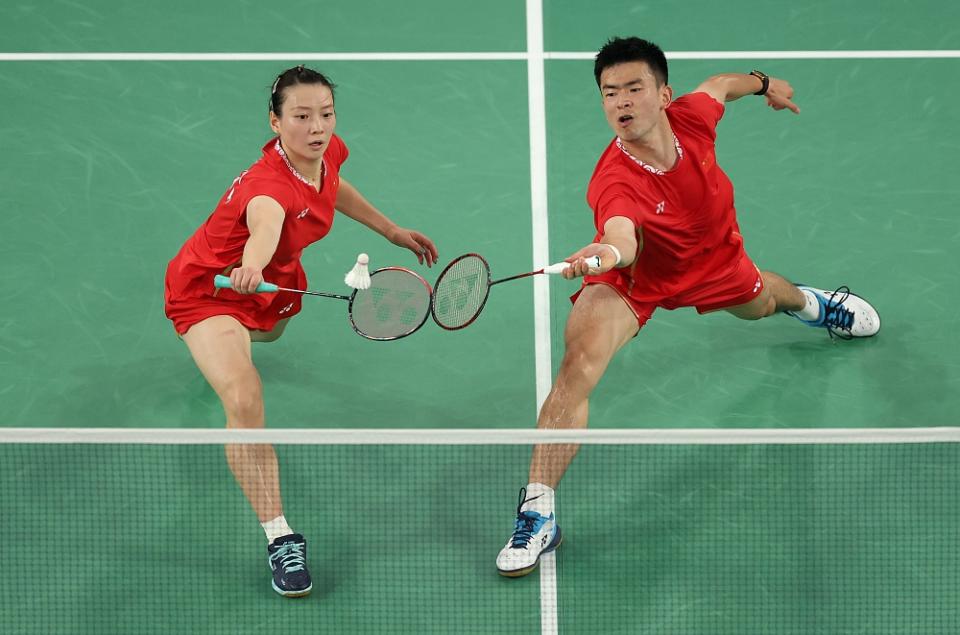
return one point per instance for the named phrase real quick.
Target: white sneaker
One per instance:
(843, 313)
(533, 536)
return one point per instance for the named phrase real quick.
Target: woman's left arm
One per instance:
(352, 203)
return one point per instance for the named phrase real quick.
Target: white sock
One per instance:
(276, 528)
(810, 312)
(539, 499)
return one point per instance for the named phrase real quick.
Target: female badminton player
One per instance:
(269, 214)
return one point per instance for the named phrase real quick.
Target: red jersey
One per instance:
(217, 245)
(689, 223)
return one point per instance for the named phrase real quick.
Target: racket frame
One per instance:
(353, 296)
(483, 303)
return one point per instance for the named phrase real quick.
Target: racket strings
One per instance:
(461, 292)
(396, 304)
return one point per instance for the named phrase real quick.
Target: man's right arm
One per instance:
(619, 233)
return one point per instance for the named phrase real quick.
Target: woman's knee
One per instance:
(272, 335)
(243, 402)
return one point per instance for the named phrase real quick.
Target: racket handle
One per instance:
(593, 262)
(223, 282)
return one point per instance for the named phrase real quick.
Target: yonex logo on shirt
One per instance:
(303, 213)
(233, 187)
(286, 309)
(660, 205)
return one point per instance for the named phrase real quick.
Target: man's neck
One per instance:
(656, 149)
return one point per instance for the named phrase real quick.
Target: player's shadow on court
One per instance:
(877, 382)
(160, 391)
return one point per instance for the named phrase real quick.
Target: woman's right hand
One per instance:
(246, 279)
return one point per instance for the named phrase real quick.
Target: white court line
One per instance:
(536, 101)
(537, 104)
(258, 57)
(779, 55)
(457, 57)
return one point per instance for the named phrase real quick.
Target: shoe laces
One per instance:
(290, 556)
(527, 523)
(836, 316)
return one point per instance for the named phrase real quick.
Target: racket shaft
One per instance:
(593, 262)
(517, 277)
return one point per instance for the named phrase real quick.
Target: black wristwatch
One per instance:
(763, 78)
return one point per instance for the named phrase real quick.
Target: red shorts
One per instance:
(187, 312)
(730, 286)
(192, 300)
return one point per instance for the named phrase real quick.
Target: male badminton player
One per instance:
(667, 236)
(270, 213)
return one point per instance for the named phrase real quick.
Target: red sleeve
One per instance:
(278, 190)
(618, 199)
(699, 112)
(338, 152)
(226, 228)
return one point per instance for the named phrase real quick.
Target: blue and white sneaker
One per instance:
(288, 561)
(533, 536)
(844, 314)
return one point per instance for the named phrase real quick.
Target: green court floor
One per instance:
(108, 166)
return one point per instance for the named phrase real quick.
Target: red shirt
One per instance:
(218, 244)
(687, 214)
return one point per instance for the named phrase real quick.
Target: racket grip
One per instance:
(223, 282)
(593, 262)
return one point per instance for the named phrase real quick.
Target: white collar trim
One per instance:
(293, 170)
(647, 166)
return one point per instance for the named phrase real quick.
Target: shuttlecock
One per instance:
(359, 277)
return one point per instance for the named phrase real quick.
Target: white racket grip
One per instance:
(593, 262)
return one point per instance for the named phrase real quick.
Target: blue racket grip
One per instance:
(223, 282)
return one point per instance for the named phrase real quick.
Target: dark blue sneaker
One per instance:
(288, 561)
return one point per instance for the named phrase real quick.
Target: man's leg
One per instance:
(778, 295)
(220, 346)
(841, 312)
(599, 325)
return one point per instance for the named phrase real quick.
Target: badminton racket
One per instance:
(463, 287)
(395, 305)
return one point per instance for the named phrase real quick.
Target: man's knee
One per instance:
(760, 307)
(583, 362)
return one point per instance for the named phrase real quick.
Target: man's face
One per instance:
(632, 100)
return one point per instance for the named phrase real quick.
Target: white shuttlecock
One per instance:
(359, 277)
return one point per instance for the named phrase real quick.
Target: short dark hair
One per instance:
(620, 50)
(291, 77)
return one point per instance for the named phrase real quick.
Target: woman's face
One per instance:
(306, 122)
